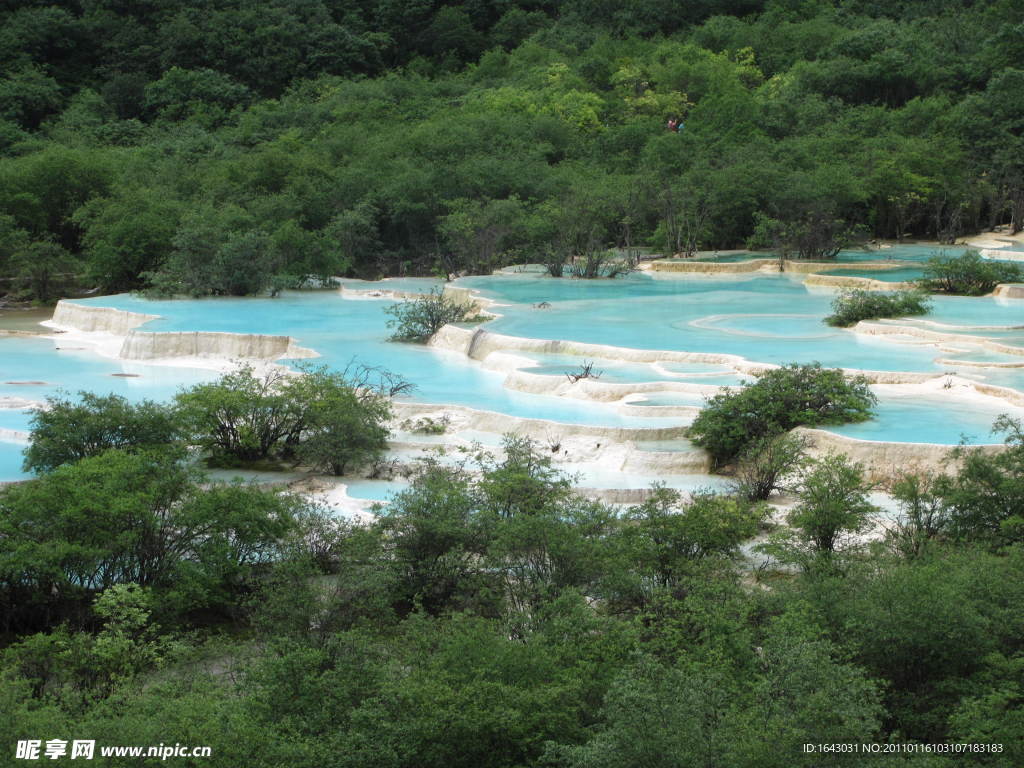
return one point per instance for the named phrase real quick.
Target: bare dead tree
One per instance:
(586, 371)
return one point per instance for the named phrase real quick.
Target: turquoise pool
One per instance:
(764, 317)
(929, 420)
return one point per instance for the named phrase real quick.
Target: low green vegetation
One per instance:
(765, 465)
(968, 274)
(141, 518)
(492, 616)
(984, 501)
(427, 425)
(65, 430)
(833, 512)
(780, 399)
(417, 320)
(325, 420)
(850, 307)
(322, 419)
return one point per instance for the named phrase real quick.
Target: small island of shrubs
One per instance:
(781, 399)
(850, 307)
(966, 275)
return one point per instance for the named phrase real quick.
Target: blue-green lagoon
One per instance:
(723, 321)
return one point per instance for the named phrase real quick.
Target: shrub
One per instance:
(326, 419)
(766, 463)
(985, 500)
(968, 275)
(585, 371)
(241, 416)
(342, 424)
(418, 319)
(425, 425)
(825, 527)
(784, 398)
(850, 307)
(142, 517)
(66, 431)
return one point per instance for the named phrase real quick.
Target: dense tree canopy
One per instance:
(254, 145)
(493, 616)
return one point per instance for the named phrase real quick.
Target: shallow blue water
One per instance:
(343, 331)
(770, 318)
(908, 252)
(400, 284)
(374, 490)
(649, 399)
(929, 420)
(614, 371)
(33, 368)
(10, 462)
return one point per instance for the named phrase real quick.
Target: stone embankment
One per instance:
(207, 344)
(1009, 291)
(158, 345)
(82, 317)
(884, 462)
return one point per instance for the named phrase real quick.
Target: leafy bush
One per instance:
(784, 398)
(766, 463)
(670, 535)
(343, 422)
(241, 416)
(984, 502)
(425, 425)
(418, 319)
(834, 510)
(141, 518)
(66, 431)
(968, 275)
(850, 307)
(325, 419)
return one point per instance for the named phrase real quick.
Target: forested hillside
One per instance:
(230, 147)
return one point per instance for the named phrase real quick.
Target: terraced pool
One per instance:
(759, 317)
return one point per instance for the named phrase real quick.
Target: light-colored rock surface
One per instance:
(13, 436)
(81, 317)
(1009, 290)
(371, 292)
(872, 328)
(884, 462)
(18, 403)
(479, 343)
(713, 267)
(462, 418)
(118, 328)
(597, 390)
(206, 344)
(847, 281)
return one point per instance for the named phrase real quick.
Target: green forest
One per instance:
(490, 616)
(231, 147)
